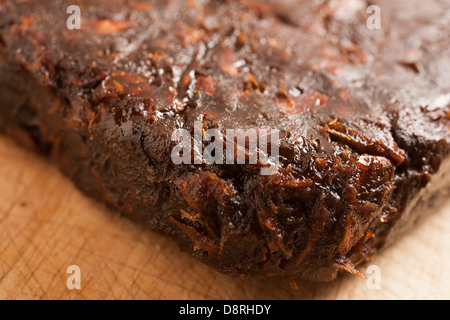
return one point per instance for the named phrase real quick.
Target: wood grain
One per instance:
(47, 225)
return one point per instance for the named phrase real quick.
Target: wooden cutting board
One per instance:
(46, 225)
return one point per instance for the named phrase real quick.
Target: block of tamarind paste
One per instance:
(362, 114)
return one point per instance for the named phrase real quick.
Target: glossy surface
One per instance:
(363, 114)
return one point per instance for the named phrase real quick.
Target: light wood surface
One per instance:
(46, 225)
